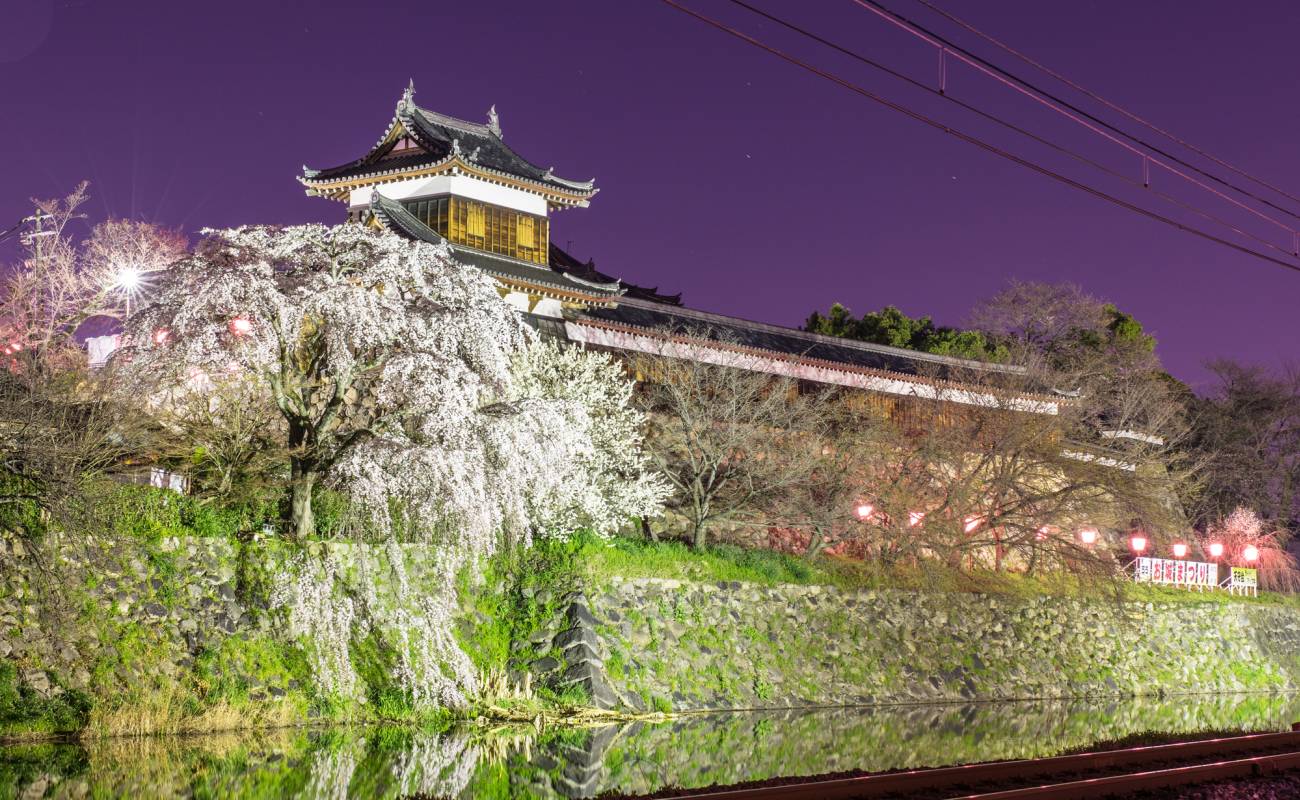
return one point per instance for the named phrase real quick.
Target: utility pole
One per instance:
(37, 232)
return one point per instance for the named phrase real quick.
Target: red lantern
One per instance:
(1180, 550)
(1137, 543)
(1216, 549)
(240, 326)
(1088, 535)
(1250, 553)
(864, 510)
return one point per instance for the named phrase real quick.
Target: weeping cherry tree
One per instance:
(404, 380)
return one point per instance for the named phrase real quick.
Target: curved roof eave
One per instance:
(422, 124)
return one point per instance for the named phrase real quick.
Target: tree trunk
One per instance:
(302, 523)
(815, 541)
(302, 476)
(700, 537)
(648, 531)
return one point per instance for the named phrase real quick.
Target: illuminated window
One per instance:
(475, 225)
(526, 232)
(484, 227)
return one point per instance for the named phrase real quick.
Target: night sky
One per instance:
(756, 189)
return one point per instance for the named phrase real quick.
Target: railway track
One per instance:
(1102, 774)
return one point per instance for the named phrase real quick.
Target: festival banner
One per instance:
(1243, 580)
(1176, 572)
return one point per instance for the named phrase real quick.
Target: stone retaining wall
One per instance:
(133, 616)
(77, 613)
(130, 618)
(663, 643)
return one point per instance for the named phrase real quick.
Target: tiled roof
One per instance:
(641, 314)
(561, 261)
(442, 137)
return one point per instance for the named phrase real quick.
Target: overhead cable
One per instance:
(1082, 117)
(1107, 103)
(980, 143)
(1013, 127)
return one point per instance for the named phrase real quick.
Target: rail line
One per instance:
(1100, 774)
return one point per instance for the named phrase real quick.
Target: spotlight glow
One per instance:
(129, 279)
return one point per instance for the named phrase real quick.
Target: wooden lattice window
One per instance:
(484, 227)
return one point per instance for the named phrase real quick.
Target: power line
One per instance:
(1109, 104)
(1083, 118)
(1009, 126)
(948, 129)
(10, 233)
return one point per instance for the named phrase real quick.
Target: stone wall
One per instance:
(128, 619)
(663, 643)
(72, 616)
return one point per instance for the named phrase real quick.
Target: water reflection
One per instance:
(639, 757)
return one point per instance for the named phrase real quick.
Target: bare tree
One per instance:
(1247, 428)
(62, 427)
(730, 440)
(830, 505)
(229, 438)
(1000, 473)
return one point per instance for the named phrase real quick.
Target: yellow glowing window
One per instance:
(526, 233)
(475, 224)
(483, 226)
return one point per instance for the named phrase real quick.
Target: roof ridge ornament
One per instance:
(408, 96)
(494, 121)
(455, 146)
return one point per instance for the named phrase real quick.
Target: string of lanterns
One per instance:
(1138, 544)
(1088, 536)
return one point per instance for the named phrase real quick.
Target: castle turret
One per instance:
(436, 178)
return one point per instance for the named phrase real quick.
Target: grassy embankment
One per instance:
(629, 558)
(225, 686)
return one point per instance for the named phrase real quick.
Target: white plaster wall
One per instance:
(620, 340)
(548, 307)
(518, 301)
(461, 185)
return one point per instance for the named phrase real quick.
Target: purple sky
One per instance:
(754, 188)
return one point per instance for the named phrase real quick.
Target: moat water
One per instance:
(690, 751)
